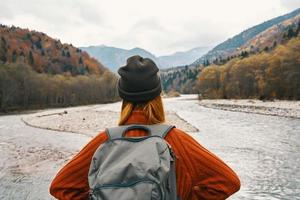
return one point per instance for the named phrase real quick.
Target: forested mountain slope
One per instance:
(267, 75)
(237, 41)
(43, 53)
(266, 41)
(37, 71)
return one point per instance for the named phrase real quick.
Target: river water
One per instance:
(263, 150)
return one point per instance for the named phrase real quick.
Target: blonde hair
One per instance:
(153, 110)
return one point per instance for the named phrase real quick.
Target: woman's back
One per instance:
(200, 174)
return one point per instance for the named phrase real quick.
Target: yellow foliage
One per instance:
(266, 75)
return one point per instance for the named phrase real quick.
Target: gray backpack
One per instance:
(134, 168)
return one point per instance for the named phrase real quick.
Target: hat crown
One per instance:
(137, 64)
(139, 80)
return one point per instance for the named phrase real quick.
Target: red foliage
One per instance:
(48, 55)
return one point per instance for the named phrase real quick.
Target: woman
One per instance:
(200, 174)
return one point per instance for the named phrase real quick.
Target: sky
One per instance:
(159, 26)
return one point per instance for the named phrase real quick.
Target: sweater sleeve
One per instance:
(71, 182)
(211, 178)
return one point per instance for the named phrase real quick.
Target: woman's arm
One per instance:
(71, 182)
(211, 177)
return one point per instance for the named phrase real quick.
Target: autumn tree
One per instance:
(267, 75)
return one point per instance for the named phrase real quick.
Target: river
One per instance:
(263, 150)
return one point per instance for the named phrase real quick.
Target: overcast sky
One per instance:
(160, 26)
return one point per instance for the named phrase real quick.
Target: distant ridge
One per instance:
(239, 40)
(113, 57)
(182, 57)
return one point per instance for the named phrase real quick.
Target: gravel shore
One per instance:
(279, 108)
(90, 120)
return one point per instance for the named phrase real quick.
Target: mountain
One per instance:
(37, 71)
(265, 41)
(113, 57)
(45, 54)
(237, 41)
(182, 58)
(274, 35)
(183, 79)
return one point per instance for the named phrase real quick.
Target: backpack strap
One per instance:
(160, 130)
(115, 132)
(172, 181)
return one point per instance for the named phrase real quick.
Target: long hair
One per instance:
(153, 110)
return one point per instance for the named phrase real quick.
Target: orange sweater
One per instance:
(200, 174)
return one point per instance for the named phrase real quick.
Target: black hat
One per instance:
(139, 81)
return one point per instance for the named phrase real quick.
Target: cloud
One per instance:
(159, 26)
(5, 12)
(290, 4)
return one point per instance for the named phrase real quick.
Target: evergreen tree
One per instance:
(27, 36)
(3, 50)
(290, 33)
(244, 54)
(14, 56)
(298, 28)
(206, 63)
(68, 54)
(38, 43)
(3, 40)
(22, 53)
(31, 59)
(266, 48)
(80, 60)
(274, 44)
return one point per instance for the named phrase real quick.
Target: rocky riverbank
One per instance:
(89, 120)
(280, 108)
